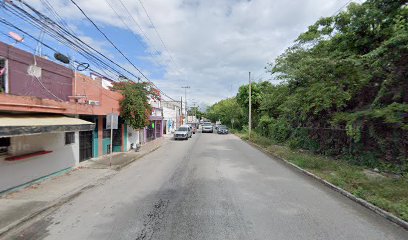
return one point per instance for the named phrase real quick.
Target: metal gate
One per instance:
(85, 145)
(150, 132)
(158, 129)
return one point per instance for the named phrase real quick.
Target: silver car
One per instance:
(207, 127)
(183, 132)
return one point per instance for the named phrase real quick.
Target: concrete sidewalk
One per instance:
(22, 205)
(122, 159)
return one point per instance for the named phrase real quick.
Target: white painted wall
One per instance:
(107, 84)
(155, 103)
(170, 115)
(15, 173)
(133, 137)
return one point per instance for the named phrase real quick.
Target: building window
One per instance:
(3, 77)
(69, 138)
(4, 145)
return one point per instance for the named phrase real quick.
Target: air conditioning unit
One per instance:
(93, 102)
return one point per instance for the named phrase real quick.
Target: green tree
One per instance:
(350, 72)
(228, 111)
(134, 106)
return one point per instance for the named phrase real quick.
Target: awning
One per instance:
(25, 124)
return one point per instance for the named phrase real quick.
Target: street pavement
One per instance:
(209, 187)
(23, 203)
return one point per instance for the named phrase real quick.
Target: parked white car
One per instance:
(183, 132)
(207, 127)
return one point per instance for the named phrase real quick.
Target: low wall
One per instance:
(15, 173)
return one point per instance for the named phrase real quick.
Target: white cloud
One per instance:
(213, 42)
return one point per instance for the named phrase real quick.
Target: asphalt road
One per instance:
(211, 187)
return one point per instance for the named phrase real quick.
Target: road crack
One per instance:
(154, 219)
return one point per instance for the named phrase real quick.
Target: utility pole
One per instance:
(195, 110)
(249, 113)
(181, 112)
(185, 99)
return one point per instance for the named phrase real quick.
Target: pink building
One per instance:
(50, 118)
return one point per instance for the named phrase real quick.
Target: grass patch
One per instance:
(388, 193)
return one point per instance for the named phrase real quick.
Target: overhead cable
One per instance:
(110, 41)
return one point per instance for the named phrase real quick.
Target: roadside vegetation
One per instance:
(341, 107)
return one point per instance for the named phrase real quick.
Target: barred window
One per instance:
(69, 138)
(4, 144)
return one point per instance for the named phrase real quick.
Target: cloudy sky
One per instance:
(209, 45)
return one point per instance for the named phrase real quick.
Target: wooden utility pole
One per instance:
(249, 113)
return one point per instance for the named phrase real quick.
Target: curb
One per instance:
(71, 196)
(53, 204)
(387, 215)
(117, 168)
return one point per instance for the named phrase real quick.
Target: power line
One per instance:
(341, 8)
(108, 39)
(5, 22)
(65, 37)
(157, 32)
(140, 28)
(60, 35)
(121, 53)
(22, 43)
(130, 30)
(155, 29)
(42, 43)
(152, 45)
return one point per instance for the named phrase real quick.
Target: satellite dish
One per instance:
(16, 37)
(61, 57)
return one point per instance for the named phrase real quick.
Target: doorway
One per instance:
(85, 145)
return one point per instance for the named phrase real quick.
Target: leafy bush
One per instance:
(279, 130)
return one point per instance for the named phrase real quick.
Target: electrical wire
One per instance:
(140, 28)
(108, 39)
(155, 29)
(53, 31)
(41, 42)
(151, 44)
(341, 8)
(59, 19)
(130, 30)
(43, 23)
(160, 38)
(121, 53)
(46, 89)
(44, 44)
